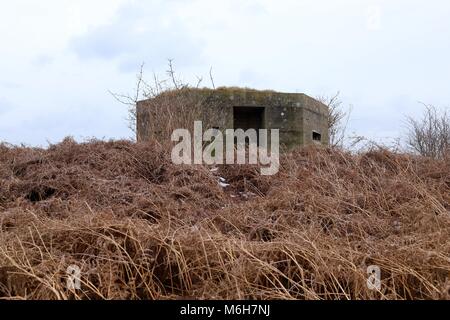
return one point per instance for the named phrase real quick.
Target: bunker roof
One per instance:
(253, 97)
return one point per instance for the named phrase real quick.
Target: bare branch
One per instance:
(430, 135)
(336, 116)
(199, 81)
(157, 88)
(171, 73)
(212, 78)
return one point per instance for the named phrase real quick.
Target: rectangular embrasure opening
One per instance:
(317, 136)
(246, 118)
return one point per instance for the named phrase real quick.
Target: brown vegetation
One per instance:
(140, 227)
(430, 135)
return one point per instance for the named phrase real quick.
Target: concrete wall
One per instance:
(296, 115)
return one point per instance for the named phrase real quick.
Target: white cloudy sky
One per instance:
(59, 58)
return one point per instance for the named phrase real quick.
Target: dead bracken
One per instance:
(140, 227)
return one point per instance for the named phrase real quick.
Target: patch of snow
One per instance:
(222, 182)
(223, 185)
(247, 195)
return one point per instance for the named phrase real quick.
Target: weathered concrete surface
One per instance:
(296, 115)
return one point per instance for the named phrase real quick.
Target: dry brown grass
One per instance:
(142, 228)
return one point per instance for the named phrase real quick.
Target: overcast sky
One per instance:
(59, 58)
